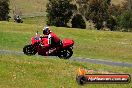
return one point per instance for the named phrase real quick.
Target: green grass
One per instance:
(41, 72)
(38, 20)
(28, 7)
(116, 46)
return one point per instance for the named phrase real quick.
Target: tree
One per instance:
(4, 10)
(96, 10)
(111, 23)
(130, 5)
(78, 21)
(125, 20)
(59, 12)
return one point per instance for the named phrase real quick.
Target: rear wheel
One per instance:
(65, 54)
(29, 50)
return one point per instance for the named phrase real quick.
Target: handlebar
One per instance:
(37, 33)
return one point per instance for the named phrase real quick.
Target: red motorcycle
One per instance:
(37, 46)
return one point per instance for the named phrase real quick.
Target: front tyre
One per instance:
(65, 54)
(29, 50)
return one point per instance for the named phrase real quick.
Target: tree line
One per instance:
(102, 13)
(4, 10)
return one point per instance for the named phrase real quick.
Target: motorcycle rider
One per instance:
(54, 41)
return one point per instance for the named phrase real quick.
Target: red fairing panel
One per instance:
(45, 41)
(67, 42)
(34, 41)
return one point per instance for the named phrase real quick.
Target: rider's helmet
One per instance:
(46, 30)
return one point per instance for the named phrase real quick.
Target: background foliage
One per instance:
(4, 10)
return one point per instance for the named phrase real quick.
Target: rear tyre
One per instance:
(29, 50)
(65, 54)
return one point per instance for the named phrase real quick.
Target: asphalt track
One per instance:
(80, 59)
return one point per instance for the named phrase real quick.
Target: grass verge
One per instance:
(116, 46)
(40, 72)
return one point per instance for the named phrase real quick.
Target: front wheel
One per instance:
(65, 54)
(29, 50)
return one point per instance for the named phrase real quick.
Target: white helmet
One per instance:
(46, 30)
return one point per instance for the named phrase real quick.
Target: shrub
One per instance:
(4, 10)
(78, 21)
(59, 12)
(125, 20)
